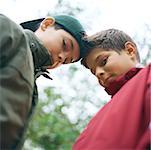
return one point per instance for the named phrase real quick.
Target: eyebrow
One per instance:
(99, 57)
(72, 46)
(63, 44)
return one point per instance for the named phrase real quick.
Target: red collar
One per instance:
(121, 80)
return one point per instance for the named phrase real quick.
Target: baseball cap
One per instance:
(69, 24)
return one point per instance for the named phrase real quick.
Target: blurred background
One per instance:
(68, 102)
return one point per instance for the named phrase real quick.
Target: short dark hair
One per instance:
(58, 26)
(111, 39)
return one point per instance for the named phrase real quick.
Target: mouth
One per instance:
(109, 80)
(106, 81)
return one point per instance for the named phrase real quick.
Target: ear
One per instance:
(47, 22)
(130, 49)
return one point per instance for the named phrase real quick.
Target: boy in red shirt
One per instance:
(124, 122)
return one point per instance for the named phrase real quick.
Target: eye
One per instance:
(64, 44)
(103, 61)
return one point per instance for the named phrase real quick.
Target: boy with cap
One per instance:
(124, 122)
(25, 55)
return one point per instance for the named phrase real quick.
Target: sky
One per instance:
(131, 16)
(128, 15)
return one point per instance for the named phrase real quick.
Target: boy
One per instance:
(124, 122)
(25, 55)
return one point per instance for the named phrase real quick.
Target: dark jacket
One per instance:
(22, 60)
(124, 122)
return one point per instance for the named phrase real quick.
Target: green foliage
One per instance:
(50, 128)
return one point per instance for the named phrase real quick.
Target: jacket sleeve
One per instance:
(16, 83)
(147, 110)
(145, 142)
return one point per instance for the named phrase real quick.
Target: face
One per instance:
(62, 46)
(108, 65)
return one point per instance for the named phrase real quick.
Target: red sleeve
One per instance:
(145, 142)
(148, 95)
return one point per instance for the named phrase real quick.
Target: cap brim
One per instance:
(32, 25)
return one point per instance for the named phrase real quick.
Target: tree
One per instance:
(145, 45)
(59, 116)
(51, 129)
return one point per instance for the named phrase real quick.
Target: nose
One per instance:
(99, 72)
(65, 57)
(61, 57)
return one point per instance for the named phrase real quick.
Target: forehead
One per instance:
(92, 57)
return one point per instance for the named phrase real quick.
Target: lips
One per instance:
(54, 65)
(109, 80)
(106, 81)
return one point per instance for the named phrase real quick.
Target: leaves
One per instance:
(51, 129)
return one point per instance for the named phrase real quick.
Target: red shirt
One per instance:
(124, 122)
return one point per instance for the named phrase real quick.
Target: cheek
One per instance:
(119, 68)
(116, 66)
(54, 48)
(53, 44)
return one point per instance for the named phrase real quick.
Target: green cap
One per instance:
(69, 23)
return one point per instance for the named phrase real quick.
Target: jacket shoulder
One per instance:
(7, 23)
(12, 39)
